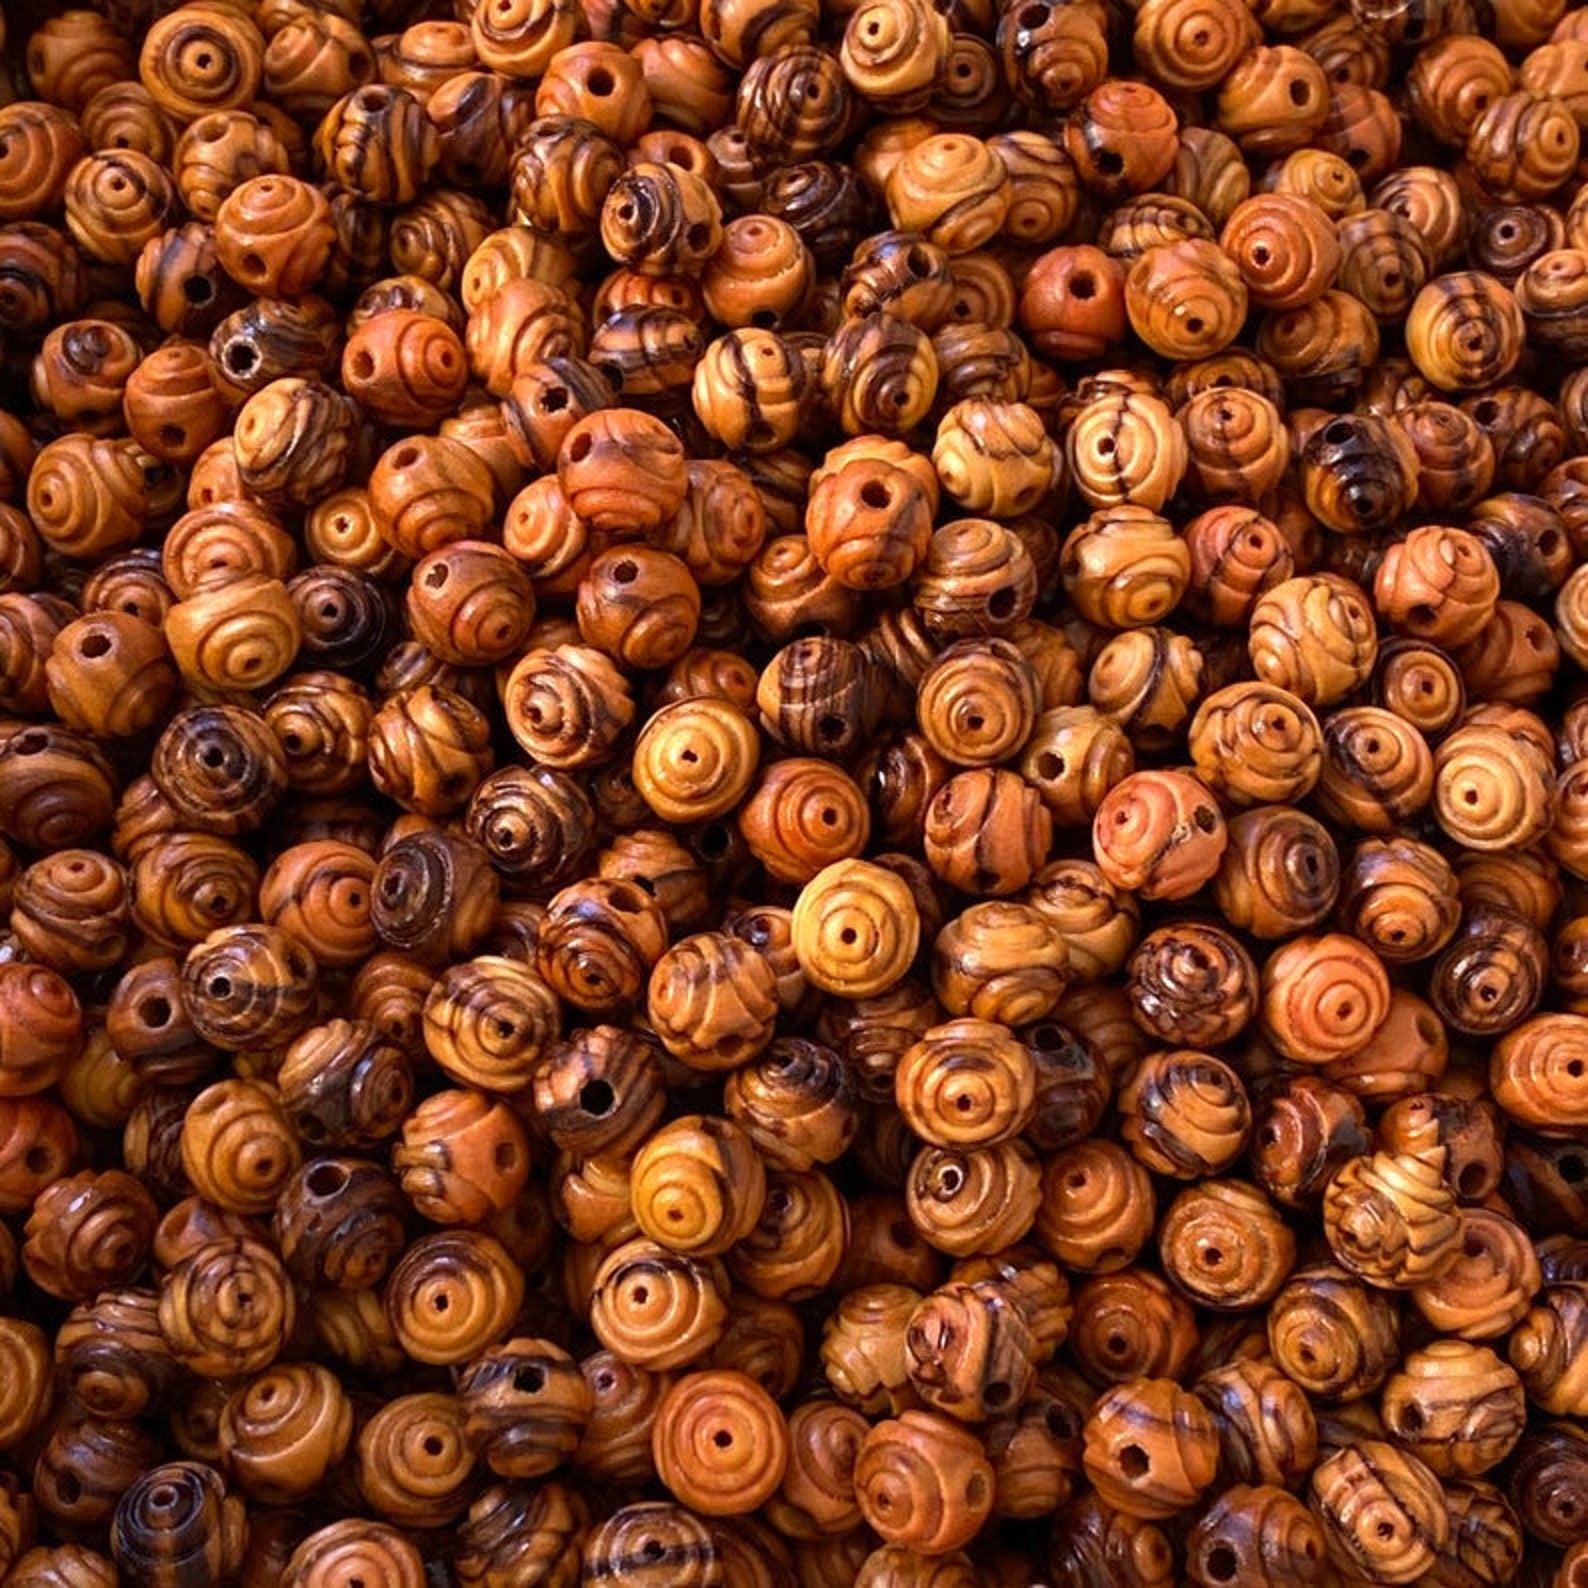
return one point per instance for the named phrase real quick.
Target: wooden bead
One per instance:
(479, 1289)
(116, 202)
(1455, 1406)
(1266, 1428)
(966, 1084)
(1391, 1218)
(1489, 978)
(599, 1091)
(237, 1146)
(339, 1223)
(657, 1309)
(292, 441)
(1097, 1206)
(855, 928)
(1159, 834)
(525, 1404)
(1259, 1534)
(177, 1521)
(1151, 1447)
(414, 1463)
(1372, 1483)
(1358, 473)
(970, 1350)
(652, 1543)
(698, 1186)
(285, 1429)
(720, 1443)
(227, 1309)
(354, 1548)
(924, 1482)
(879, 374)
(343, 1085)
(463, 1155)
(1332, 1334)
(966, 1201)
(88, 1233)
(1125, 447)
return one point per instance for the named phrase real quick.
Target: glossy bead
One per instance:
(720, 1443)
(1159, 834)
(177, 1521)
(1332, 1334)
(1378, 1481)
(1151, 1447)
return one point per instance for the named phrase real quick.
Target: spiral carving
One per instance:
(178, 1521)
(1536, 1072)
(658, 1309)
(654, 1544)
(923, 1481)
(1391, 1218)
(228, 1308)
(977, 703)
(1224, 1244)
(355, 1550)
(434, 895)
(220, 768)
(284, 1430)
(721, 1444)
(415, 1461)
(1285, 249)
(694, 759)
(248, 984)
(1491, 975)
(1400, 899)
(1256, 743)
(514, 1528)
(880, 374)
(1323, 997)
(1382, 1510)
(1377, 769)
(450, 1295)
(1159, 834)
(568, 706)
(855, 929)
(1267, 1431)
(1489, 793)
(1333, 1335)
(598, 942)
(194, 62)
(697, 1186)
(1125, 447)
(968, 1083)
(88, 1233)
(966, 1201)
(488, 1020)
(41, 143)
(293, 441)
(712, 1000)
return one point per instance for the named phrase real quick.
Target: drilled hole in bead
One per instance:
(653, 1549)
(1110, 162)
(599, 82)
(1221, 1563)
(1134, 1462)
(1083, 285)
(875, 494)
(1116, 1345)
(37, 1160)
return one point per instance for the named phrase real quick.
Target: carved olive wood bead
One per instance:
(177, 1522)
(228, 1308)
(1333, 1335)
(1382, 1510)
